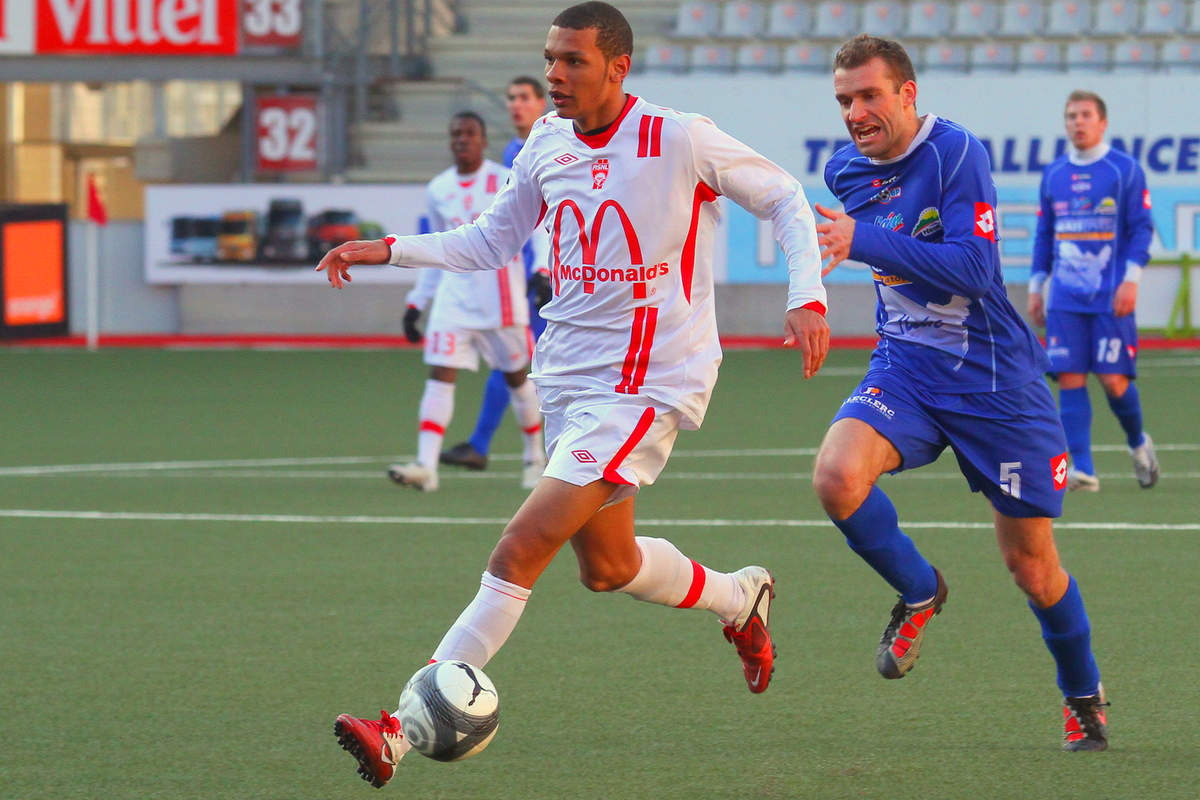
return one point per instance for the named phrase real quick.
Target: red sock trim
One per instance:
(532, 428)
(427, 425)
(696, 589)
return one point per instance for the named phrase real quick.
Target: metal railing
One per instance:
(1179, 323)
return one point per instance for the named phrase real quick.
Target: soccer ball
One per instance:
(449, 710)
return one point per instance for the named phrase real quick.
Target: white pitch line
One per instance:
(146, 466)
(326, 519)
(498, 475)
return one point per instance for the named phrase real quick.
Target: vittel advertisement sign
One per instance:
(137, 27)
(16, 27)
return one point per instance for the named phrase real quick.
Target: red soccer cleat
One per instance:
(1085, 722)
(378, 746)
(750, 633)
(900, 644)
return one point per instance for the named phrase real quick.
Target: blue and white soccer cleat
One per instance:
(1145, 462)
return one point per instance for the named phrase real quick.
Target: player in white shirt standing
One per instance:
(630, 352)
(482, 313)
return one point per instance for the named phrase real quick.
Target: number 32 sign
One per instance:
(287, 133)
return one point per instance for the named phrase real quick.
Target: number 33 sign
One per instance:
(287, 133)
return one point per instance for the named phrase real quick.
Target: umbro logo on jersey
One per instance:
(599, 172)
(985, 221)
(566, 158)
(1058, 468)
(583, 457)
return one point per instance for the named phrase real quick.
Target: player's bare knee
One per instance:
(840, 487)
(1032, 576)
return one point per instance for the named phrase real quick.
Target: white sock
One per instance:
(529, 417)
(437, 407)
(485, 625)
(670, 578)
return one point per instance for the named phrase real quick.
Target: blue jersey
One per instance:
(1094, 220)
(926, 225)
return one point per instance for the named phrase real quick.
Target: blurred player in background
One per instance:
(630, 352)
(474, 314)
(955, 366)
(1093, 239)
(526, 100)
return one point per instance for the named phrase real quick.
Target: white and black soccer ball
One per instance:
(449, 710)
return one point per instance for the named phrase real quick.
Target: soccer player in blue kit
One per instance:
(955, 366)
(1093, 238)
(526, 102)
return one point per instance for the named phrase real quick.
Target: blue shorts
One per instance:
(1101, 343)
(1009, 445)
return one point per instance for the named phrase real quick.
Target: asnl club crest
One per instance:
(599, 172)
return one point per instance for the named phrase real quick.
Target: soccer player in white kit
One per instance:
(481, 313)
(630, 352)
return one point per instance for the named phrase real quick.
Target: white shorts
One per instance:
(624, 440)
(505, 349)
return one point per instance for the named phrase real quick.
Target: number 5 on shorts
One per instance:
(1010, 479)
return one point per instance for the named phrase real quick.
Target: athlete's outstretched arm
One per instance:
(766, 190)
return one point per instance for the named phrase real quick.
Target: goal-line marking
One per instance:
(332, 519)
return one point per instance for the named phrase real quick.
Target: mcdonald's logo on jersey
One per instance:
(586, 272)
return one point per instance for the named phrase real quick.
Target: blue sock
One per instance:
(1128, 409)
(495, 403)
(1076, 411)
(1068, 635)
(873, 531)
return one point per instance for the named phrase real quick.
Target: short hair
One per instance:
(471, 115)
(1081, 95)
(539, 91)
(614, 37)
(864, 47)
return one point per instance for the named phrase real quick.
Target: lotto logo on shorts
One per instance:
(1058, 469)
(583, 457)
(566, 158)
(985, 221)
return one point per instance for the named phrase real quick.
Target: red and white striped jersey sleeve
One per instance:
(768, 192)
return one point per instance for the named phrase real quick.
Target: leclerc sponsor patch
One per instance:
(985, 221)
(1058, 470)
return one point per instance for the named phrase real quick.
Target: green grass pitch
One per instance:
(221, 567)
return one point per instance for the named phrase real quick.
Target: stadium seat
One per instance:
(974, 20)
(927, 20)
(1088, 56)
(788, 19)
(758, 58)
(1068, 18)
(883, 18)
(1135, 55)
(1115, 18)
(712, 58)
(1193, 21)
(1162, 17)
(742, 20)
(835, 20)
(1039, 56)
(946, 57)
(807, 58)
(696, 19)
(665, 58)
(1181, 55)
(993, 56)
(1021, 19)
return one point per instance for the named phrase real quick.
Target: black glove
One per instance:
(410, 324)
(539, 290)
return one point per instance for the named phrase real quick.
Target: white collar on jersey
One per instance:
(922, 135)
(1089, 156)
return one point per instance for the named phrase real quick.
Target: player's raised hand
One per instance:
(834, 237)
(337, 261)
(809, 332)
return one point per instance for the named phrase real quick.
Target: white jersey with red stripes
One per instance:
(475, 300)
(632, 217)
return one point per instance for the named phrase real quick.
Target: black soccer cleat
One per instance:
(900, 644)
(464, 455)
(1085, 723)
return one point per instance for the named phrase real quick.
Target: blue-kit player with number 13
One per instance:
(955, 367)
